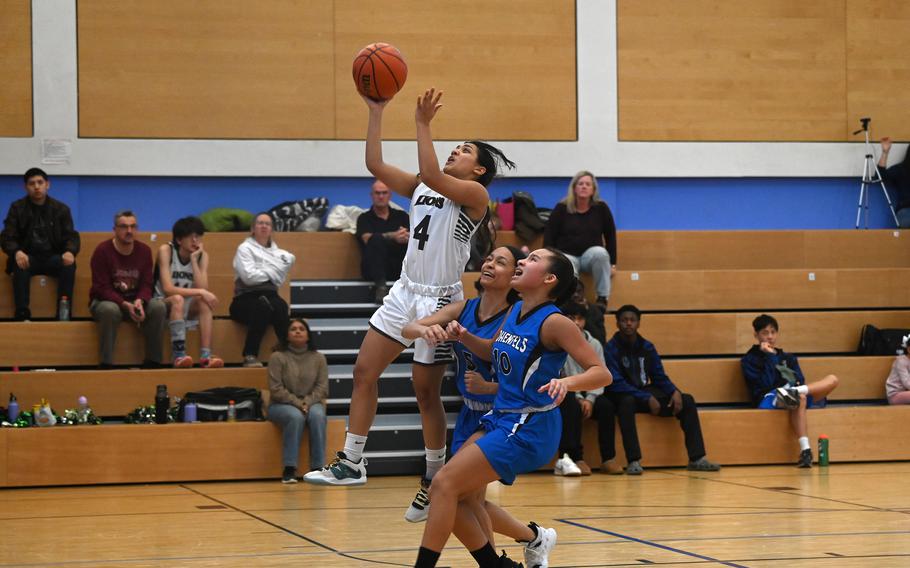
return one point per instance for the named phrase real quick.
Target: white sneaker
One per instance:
(537, 552)
(341, 471)
(565, 466)
(420, 506)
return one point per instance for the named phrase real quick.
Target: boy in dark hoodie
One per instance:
(775, 381)
(641, 385)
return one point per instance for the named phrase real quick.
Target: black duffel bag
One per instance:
(212, 404)
(875, 341)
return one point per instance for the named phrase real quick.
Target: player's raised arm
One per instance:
(460, 182)
(398, 180)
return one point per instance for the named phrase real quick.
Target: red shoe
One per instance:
(211, 363)
(184, 362)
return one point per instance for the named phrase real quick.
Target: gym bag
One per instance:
(212, 404)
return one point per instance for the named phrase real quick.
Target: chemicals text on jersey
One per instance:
(435, 201)
(517, 342)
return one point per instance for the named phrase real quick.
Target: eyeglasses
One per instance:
(125, 226)
(265, 223)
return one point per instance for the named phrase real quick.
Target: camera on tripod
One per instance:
(871, 175)
(865, 122)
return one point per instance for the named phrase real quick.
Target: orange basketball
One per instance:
(379, 71)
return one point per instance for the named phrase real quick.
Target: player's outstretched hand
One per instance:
(427, 105)
(434, 335)
(557, 390)
(455, 331)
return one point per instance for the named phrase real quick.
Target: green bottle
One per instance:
(823, 458)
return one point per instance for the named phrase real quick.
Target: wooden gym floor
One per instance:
(767, 516)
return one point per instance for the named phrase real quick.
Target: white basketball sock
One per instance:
(353, 446)
(435, 460)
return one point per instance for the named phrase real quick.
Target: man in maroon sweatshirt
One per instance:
(122, 275)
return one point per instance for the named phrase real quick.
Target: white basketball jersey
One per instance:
(181, 274)
(440, 243)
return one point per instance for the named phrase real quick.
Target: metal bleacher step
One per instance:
(331, 297)
(339, 338)
(395, 387)
(396, 444)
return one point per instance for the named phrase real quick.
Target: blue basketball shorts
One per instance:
(518, 443)
(466, 424)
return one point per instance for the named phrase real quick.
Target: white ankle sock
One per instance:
(435, 460)
(802, 389)
(804, 443)
(353, 446)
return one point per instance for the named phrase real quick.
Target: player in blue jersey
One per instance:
(475, 380)
(522, 431)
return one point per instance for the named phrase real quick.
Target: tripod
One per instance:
(871, 175)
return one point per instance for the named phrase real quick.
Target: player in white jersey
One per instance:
(181, 279)
(448, 206)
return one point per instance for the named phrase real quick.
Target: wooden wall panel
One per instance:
(878, 66)
(15, 68)
(735, 70)
(507, 68)
(282, 70)
(205, 69)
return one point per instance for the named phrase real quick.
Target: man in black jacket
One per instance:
(382, 233)
(39, 238)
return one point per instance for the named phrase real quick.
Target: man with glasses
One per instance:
(122, 276)
(382, 233)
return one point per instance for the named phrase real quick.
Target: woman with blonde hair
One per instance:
(581, 226)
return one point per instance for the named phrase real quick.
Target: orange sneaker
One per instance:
(184, 362)
(211, 363)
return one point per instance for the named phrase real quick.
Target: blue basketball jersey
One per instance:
(522, 363)
(467, 361)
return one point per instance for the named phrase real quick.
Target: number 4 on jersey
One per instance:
(422, 232)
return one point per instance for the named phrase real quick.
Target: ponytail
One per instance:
(564, 270)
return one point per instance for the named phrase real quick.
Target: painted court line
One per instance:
(653, 544)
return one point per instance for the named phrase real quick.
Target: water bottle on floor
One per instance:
(231, 412)
(823, 458)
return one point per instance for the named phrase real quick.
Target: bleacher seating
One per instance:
(700, 291)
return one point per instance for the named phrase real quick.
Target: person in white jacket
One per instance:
(260, 268)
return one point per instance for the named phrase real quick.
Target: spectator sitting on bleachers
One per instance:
(581, 226)
(39, 238)
(122, 277)
(181, 279)
(775, 380)
(382, 233)
(260, 268)
(578, 406)
(897, 387)
(299, 387)
(641, 385)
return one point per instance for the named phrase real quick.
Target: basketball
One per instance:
(379, 71)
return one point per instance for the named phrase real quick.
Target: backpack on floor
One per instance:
(212, 404)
